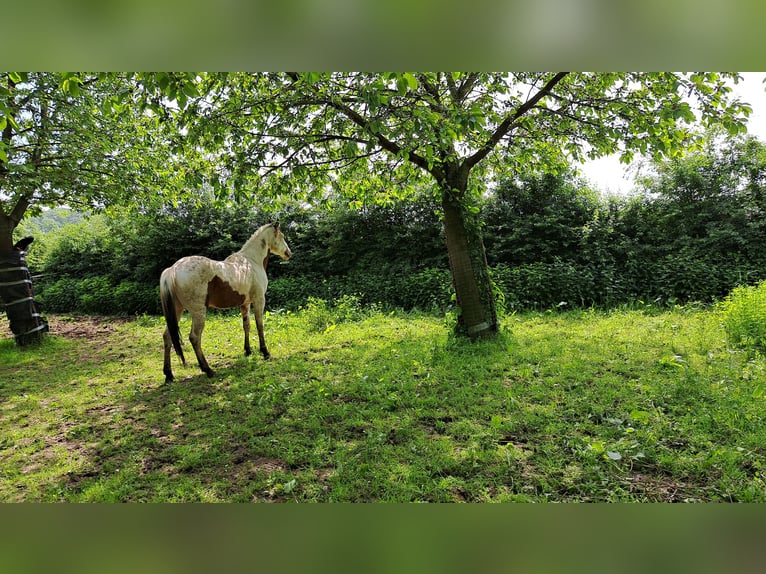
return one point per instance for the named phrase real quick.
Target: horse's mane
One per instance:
(258, 232)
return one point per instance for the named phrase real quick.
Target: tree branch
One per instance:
(466, 87)
(383, 141)
(19, 210)
(507, 124)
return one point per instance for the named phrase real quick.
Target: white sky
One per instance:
(612, 177)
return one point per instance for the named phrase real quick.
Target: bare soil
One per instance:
(92, 328)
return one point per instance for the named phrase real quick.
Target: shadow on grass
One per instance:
(330, 420)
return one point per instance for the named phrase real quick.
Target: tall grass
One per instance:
(744, 316)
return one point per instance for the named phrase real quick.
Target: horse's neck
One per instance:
(256, 248)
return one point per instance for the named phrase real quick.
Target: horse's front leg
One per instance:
(195, 337)
(259, 303)
(245, 309)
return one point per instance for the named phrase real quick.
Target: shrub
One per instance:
(428, 289)
(98, 295)
(60, 296)
(744, 316)
(316, 314)
(133, 298)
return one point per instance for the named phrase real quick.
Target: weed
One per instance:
(744, 316)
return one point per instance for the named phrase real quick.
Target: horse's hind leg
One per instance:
(195, 337)
(258, 305)
(245, 309)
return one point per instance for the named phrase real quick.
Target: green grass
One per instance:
(630, 405)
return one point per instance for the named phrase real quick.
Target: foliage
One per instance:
(427, 289)
(321, 316)
(99, 295)
(537, 218)
(80, 140)
(550, 241)
(384, 125)
(81, 250)
(744, 316)
(636, 405)
(363, 137)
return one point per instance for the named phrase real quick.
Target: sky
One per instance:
(612, 177)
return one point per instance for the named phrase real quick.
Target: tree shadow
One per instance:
(255, 424)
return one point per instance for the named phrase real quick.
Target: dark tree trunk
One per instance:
(470, 275)
(18, 299)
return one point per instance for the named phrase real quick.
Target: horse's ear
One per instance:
(275, 225)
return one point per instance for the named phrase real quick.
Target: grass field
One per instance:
(630, 405)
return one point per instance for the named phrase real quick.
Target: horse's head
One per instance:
(278, 244)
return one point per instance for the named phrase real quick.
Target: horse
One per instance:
(196, 283)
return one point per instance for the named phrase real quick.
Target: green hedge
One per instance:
(99, 295)
(429, 289)
(674, 278)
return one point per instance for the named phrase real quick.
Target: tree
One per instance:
(79, 140)
(710, 204)
(363, 134)
(67, 140)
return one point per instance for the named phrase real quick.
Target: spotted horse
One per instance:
(197, 283)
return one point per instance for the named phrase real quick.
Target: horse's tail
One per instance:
(169, 311)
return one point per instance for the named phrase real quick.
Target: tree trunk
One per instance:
(16, 295)
(470, 275)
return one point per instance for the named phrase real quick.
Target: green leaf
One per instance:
(350, 149)
(401, 85)
(642, 417)
(412, 81)
(71, 86)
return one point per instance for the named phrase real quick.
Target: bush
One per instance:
(316, 313)
(545, 285)
(132, 298)
(744, 316)
(59, 297)
(98, 295)
(428, 289)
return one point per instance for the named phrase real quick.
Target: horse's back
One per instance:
(199, 280)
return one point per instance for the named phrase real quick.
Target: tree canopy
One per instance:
(80, 140)
(296, 133)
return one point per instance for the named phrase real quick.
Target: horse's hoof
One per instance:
(210, 374)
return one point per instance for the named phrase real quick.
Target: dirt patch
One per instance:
(90, 328)
(85, 327)
(268, 465)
